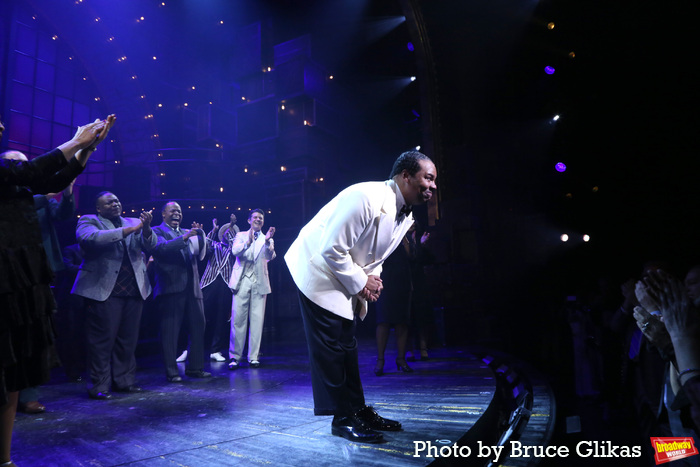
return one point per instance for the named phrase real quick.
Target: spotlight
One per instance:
(586, 238)
(410, 46)
(564, 238)
(418, 148)
(556, 117)
(549, 70)
(413, 78)
(560, 167)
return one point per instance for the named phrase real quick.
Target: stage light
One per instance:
(221, 189)
(564, 238)
(556, 117)
(282, 107)
(560, 167)
(410, 46)
(418, 148)
(160, 105)
(549, 70)
(594, 189)
(572, 55)
(413, 78)
(54, 37)
(586, 238)
(185, 104)
(155, 58)
(550, 26)
(330, 77)
(283, 169)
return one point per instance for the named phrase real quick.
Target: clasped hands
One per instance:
(145, 219)
(372, 289)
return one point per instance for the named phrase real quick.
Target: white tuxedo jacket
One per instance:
(255, 256)
(345, 242)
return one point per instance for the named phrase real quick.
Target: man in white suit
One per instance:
(335, 263)
(250, 282)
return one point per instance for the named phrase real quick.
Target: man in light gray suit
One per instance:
(250, 282)
(114, 282)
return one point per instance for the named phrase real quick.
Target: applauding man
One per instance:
(250, 282)
(177, 290)
(114, 282)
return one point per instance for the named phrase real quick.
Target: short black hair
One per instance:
(409, 161)
(250, 214)
(166, 204)
(100, 195)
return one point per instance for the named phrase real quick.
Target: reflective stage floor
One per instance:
(260, 416)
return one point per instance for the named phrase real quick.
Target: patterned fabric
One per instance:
(220, 263)
(126, 285)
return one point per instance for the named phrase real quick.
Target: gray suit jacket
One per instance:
(104, 253)
(176, 268)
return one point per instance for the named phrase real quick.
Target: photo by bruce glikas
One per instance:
(599, 449)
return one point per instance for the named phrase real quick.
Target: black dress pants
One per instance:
(173, 309)
(335, 373)
(112, 334)
(218, 300)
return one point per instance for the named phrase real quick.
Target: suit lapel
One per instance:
(258, 245)
(387, 215)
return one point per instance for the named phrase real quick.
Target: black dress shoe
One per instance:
(101, 396)
(354, 429)
(376, 422)
(132, 388)
(198, 374)
(175, 379)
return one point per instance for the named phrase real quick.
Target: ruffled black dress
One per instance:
(27, 352)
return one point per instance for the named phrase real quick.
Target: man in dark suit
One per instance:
(114, 282)
(177, 291)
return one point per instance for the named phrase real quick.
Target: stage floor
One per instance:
(260, 416)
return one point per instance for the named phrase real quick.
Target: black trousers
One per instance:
(173, 309)
(218, 300)
(112, 334)
(335, 373)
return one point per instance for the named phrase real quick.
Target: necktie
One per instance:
(255, 235)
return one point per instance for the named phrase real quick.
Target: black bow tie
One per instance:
(405, 210)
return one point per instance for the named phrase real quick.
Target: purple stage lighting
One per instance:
(560, 167)
(549, 70)
(410, 46)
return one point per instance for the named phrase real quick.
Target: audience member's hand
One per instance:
(646, 299)
(681, 317)
(653, 328)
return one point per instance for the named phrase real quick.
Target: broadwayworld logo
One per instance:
(671, 449)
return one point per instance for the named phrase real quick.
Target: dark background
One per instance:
(481, 107)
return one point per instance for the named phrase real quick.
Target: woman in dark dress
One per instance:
(26, 302)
